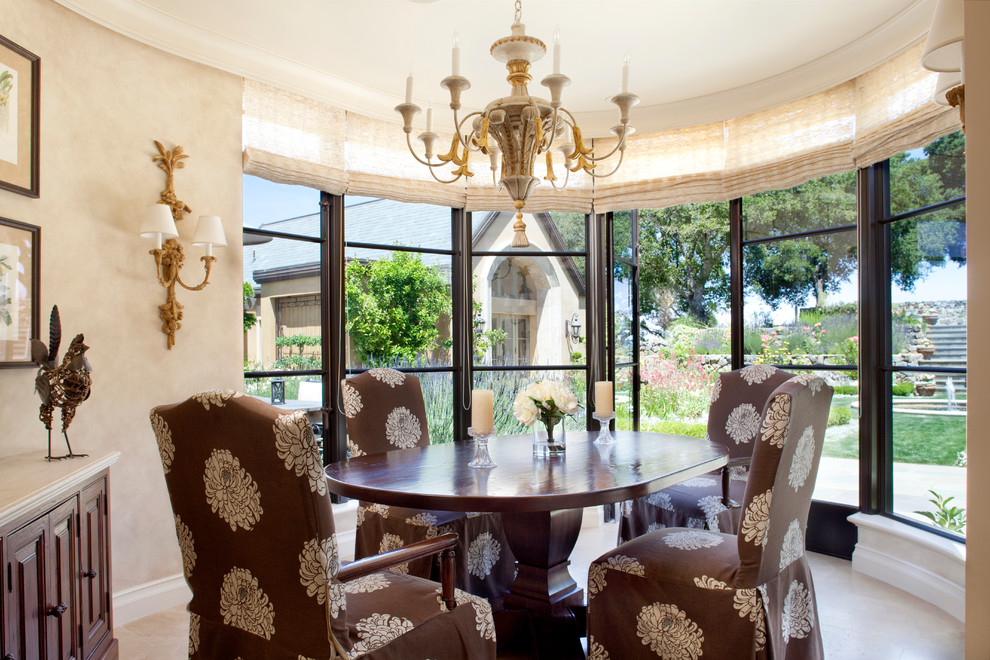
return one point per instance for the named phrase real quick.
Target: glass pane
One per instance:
(929, 443)
(529, 310)
(398, 309)
(438, 395)
(623, 318)
(932, 174)
(506, 384)
(801, 301)
(282, 307)
(281, 207)
(386, 222)
(684, 264)
(817, 204)
(675, 393)
(928, 290)
(292, 393)
(547, 232)
(624, 413)
(838, 473)
(622, 247)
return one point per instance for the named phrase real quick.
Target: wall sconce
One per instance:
(572, 328)
(944, 54)
(159, 224)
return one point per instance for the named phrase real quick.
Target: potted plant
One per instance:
(925, 386)
(926, 348)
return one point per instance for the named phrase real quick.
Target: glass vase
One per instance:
(549, 443)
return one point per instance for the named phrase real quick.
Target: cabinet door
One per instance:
(24, 597)
(94, 566)
(63, 582)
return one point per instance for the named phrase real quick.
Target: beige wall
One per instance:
(104, 98)
(978, 376)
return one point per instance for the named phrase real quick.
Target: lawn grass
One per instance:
(924, 439)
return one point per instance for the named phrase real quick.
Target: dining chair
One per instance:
(385, 411)
(259, 552)
(711, 501)
(689, 593)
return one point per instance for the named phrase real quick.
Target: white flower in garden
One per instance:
(524, 409)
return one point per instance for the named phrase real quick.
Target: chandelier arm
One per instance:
(420, 160)
(567, 177)
(614, 169)
(620, 143)
(458, 126)
(553, 131)
(434, 175)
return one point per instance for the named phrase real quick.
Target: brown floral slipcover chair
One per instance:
(256, 531)
(691, 593)
(738, 400)
(385, 411)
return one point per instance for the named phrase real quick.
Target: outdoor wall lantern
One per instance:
(159, 224)
(479, 323)
(278, 391)
(572, 328)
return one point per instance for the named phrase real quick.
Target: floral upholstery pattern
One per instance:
(259, 552)
(691, 593)
(734, 420)
(385, 412)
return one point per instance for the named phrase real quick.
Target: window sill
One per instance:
(923, 564)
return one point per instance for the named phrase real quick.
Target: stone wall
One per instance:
(949, 312)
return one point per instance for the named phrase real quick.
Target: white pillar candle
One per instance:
(556, 52)
(409, 82)
(603, 398)
(429, 120)
(482, 410)
(455, 57)
(625, 76)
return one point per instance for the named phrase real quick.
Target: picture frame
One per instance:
(20, 137)
(20, 299)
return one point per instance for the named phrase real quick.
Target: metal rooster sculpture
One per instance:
(64, 386)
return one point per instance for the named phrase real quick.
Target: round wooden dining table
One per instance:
(541, 499)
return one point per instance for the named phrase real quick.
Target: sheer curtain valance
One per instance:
(292, 139)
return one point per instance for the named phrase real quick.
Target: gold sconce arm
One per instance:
(159, 224)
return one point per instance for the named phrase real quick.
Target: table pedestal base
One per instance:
(542, 542)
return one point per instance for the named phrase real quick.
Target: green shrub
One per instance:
(846, 389)
(839, 416)
(902, 389)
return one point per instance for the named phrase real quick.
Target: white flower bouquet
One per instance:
(546, 401)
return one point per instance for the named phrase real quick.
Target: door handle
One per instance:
(58, 610)
(89, 574)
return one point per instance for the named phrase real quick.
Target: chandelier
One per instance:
(515, 130)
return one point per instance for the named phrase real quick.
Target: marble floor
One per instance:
(860, 617)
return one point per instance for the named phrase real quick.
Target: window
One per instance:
(922, 428)
(529, 307)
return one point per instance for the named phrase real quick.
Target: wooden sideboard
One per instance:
(55, 584)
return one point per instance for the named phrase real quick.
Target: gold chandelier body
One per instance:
(516, 130)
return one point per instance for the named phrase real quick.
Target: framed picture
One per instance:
(20, 303)
(20, 94)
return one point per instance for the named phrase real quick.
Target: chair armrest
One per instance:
(443, 545)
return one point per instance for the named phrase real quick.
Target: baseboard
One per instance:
(153, 597)
(149, 598)
(903, 557)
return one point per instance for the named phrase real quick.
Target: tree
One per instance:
(394, 306)
(786, 271)
(683, 261)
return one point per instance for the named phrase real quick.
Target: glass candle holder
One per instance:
(604, 435)
(482, 459)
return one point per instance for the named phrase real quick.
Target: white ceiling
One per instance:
(691, 61)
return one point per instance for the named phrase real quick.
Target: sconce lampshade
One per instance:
(944, 47)
(158, 222)
(944, 83)
(209, 232)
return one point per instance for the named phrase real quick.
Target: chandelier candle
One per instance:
(482, 410)
(604, 406)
